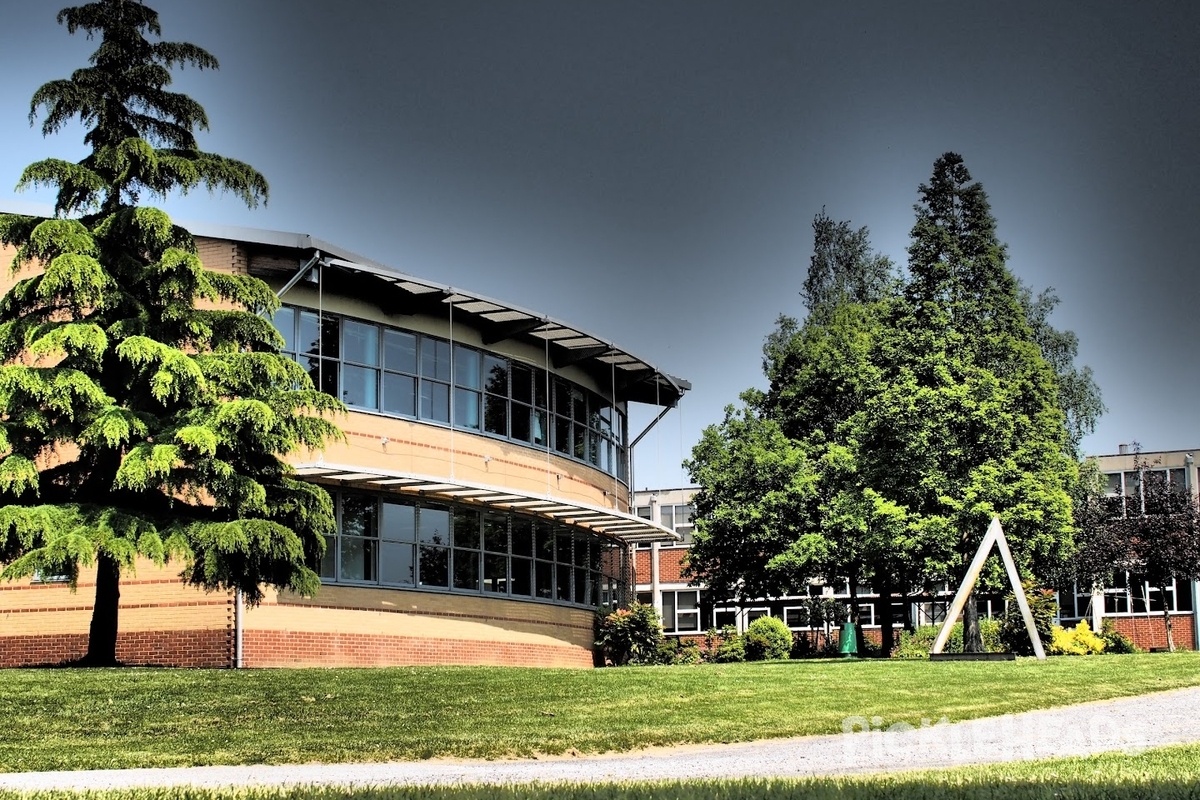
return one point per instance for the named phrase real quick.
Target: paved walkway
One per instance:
(1128, 724)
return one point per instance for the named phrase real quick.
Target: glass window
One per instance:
(495, 415)
(466, 570)
(435, 566)
(541, 430)
(466, 409)
(433, 525)
(495, 573)
(1113, 482)
(398, 522)
(520, 423)
(522, 583)
(358, 515)
(285, 322)
(522, 384)
(466, 367)
(495, 533)
(466, 528)
(562, 586)
(360, 343)
(522, 536)
(399, 394)
(495, 375)
(544, 579)
(435, 401)
(397, 563)
(360, 386)
(435, 359)
(400, 351)
(329, 559)
(357, 559)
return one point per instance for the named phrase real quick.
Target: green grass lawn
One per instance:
(78, 719)
(1167, 774)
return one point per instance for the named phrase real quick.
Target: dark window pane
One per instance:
(541, 431)
(545, 542)
(324, 374)
(360, 343)
(593, 448)
(309, 339)
(580, 441)
(1183, 595)
(358, 559)
(495, 415)
(398, 522)
(433, 525)
(466, 367)
(466, 409)
(522, 384)
(521, 583)
(562, 551)
(398, 563)
(495, 375)
(583, 593)
(435, 359)
(495, 533)
(360, 386)
(435, 401)
(329, 558)
(562, 586)
(399, 394)
(520, 422)
(544, 574)
(466, 570)
(618, 427)
(435, 567)
(495, 573)
(539, 388)
(400, 351)
(358, 515)
(522, 536)
(562, 398)
(562, 434)
(466, 528)
(578, 405)
(285, 322)
(581, 552)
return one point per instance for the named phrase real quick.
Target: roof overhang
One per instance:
(636, 379)
(605, 522)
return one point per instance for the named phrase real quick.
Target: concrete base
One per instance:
(972, 656)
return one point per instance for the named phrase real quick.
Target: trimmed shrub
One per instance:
(731, 648)
(767, 639)
(1116, 642)
(1043, 606)
(630, 635)
(918, 643)
(1077, 641)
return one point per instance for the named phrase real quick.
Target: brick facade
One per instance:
(1151, 632)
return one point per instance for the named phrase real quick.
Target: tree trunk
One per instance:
(1167, 618)
(972, 636)
(102, 635)
(887, 637)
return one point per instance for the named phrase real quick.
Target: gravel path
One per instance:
(1127, 724)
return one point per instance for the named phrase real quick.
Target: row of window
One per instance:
(1136, 491)
(1127, 593)
(393, 371)
(405, 543)
(678, 517)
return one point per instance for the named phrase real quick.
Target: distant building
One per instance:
(1134, 607)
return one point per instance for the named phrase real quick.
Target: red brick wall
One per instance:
(670, 565)
(1147, 632)
(264, 648)
(196, 648)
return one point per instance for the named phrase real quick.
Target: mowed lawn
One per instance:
(79, 719)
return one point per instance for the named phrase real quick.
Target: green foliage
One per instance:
(1077, 641)
(724, 646)
(150, 426)
(1042, 606)
(917, 643)
(631, 635)
(1115, 642)
(767, 639)
(901, 416)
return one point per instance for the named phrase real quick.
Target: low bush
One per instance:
(918, 643)
(767, 639)
(630, 635)
(1077, 641)
(730, 647)
(1043, 606)
(1116, 642)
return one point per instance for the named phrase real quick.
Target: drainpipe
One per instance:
(239, 610)
(1189, 465)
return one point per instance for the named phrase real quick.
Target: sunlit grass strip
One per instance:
(72, 719)
(1167, 773)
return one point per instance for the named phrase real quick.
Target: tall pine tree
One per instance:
(146, 406)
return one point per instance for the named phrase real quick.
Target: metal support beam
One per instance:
(499, 331)
(566, 356)
(312, 262)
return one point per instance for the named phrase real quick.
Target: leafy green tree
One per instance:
(146, 406)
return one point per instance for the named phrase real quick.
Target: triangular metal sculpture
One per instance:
(995, 535)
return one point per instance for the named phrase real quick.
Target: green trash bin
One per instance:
(849, 640)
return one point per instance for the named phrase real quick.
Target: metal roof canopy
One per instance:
(637, 380)
(605, 522)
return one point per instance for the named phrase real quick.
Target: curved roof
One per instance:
(636, 379)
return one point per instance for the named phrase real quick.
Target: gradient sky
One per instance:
(649, 170)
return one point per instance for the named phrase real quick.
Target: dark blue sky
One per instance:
(649, 170)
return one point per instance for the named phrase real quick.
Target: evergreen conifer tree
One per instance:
(146, 408)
